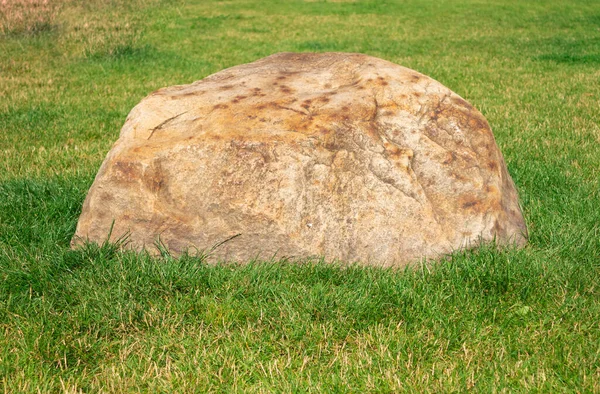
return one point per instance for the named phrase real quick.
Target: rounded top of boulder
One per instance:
(340, 155)
(298, 95)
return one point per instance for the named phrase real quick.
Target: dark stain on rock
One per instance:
(497, 229)
(381, 81)
(458, 176)
(220, 106)
(237, 99)
(332, 145)
(155, 183)
(126, 171)
(190, 94)
(392, 151)
(226, 87)
(462, 113)
(288, 72)
(450, 157)
(437, 112)
(492, 166)
(479, 123)
(285, 89)
(459, 101)
(470, 204)
(373, 132)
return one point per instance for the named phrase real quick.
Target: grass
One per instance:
(489, 320)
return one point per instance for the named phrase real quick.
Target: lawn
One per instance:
(488, 320)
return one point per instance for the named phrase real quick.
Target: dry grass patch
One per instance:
(28, 16)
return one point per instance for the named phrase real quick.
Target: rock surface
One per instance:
(345, 156)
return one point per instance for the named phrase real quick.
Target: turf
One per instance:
(488, 320)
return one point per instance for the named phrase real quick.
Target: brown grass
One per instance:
(28, 16)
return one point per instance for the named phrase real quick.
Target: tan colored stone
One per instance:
(338, 155)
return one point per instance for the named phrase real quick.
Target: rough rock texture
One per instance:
(338, 155)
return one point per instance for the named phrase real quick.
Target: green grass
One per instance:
(489, 320)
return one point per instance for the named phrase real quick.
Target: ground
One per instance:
(488, 320)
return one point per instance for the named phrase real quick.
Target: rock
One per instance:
(339, 155)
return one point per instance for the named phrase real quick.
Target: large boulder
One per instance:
(339, 155)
